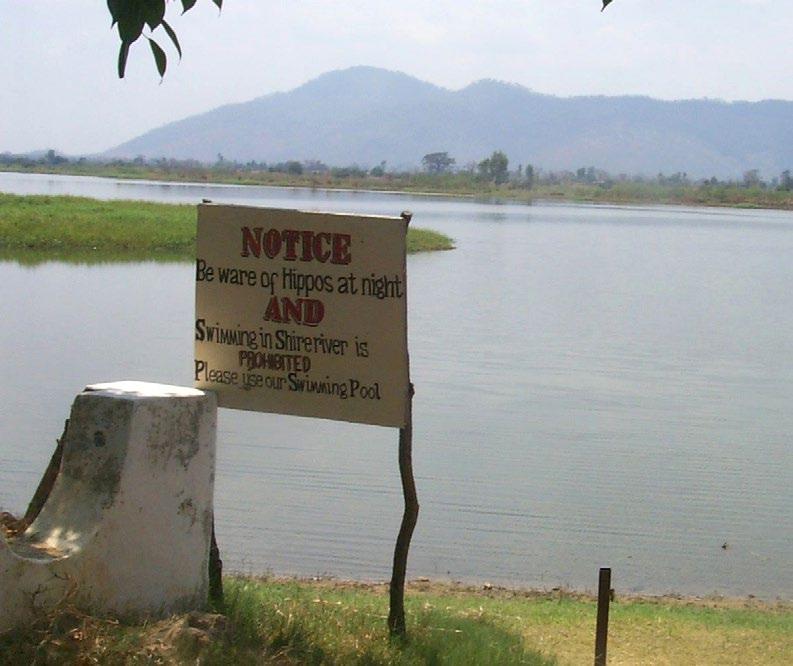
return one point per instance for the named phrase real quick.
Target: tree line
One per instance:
(495, 169)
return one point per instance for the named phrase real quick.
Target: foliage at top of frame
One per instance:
(131, 16)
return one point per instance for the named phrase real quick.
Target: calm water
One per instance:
(596, 386)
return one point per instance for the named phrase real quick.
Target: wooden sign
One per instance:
(302, 313)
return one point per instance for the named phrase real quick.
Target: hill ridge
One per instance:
(364, 115)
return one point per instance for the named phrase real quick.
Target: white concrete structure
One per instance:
(128, 523)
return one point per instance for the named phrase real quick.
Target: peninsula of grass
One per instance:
(82, 228)
(308, 622)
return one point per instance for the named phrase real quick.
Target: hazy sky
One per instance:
(60, 90)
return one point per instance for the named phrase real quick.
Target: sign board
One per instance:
(302, 313)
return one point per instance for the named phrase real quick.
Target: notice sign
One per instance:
(302, 313)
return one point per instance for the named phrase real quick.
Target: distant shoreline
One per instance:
(450, 186)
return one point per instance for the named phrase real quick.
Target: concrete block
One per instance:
(126, 529)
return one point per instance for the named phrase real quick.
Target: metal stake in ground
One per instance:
(602, 628)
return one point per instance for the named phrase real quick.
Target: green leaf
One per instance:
(115, 9)
(172, 35)
(219, 3)
(159, 56)
(130, 25)
(154, 11)
(187, 5)
(122, 59)
(606, 3)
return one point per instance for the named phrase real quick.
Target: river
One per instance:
(595, 386)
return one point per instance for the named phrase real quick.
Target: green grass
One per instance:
(426, 240)
(313, 623)
(61, 224)
(40, 228)
(347, 625)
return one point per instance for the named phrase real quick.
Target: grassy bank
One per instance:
(453, 184)
(296, 622)
(38, 227)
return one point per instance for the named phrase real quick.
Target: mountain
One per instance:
(363, 115)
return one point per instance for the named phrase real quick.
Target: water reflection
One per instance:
(595, 386)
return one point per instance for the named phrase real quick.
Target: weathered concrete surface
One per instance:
(127, 527)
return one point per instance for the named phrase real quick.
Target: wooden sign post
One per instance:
(396, 614)
(306, 314)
